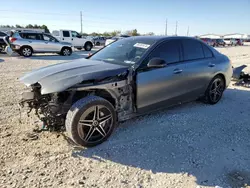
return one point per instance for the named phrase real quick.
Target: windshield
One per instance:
(124, 51)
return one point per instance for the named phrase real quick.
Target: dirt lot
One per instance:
(194, 145)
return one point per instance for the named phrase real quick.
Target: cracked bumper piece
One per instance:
(27, 96)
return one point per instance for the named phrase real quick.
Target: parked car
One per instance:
(230, 42)
(130, 77)
(2, 43)
(74, 38)
(27, 43)
(209, 41)
(99, 41)
(240, 42)
(113, 39)
(219, 42)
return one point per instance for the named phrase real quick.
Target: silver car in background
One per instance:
(26, 43)
(129, 77)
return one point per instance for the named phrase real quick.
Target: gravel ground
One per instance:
(193, 145)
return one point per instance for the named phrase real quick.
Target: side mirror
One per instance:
(156, 63)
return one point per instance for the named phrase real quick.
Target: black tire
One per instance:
(66, 51)
(79, 48)
(213, 94)
(26, 51)
(88, 46)
(76, 115)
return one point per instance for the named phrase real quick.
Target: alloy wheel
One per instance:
(88, 47)
(95, 123)
(26, 52)
(66, 52)
(216, 90)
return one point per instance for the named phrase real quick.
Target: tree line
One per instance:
(30, 26)
(132, 32)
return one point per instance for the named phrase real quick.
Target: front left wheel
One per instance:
(90, 121)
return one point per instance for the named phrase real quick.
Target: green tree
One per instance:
(18, 26)
(46, 29)
(134, 32)
(29, 26)
(115, 33)
(84, 34)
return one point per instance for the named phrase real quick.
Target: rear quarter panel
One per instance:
(223, 66)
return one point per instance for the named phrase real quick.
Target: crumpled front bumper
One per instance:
(27, 97)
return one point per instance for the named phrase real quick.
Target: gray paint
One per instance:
(56, 78)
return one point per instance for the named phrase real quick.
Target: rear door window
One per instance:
(31, 36)
(192, 49)
(207, 52)
(66, 34)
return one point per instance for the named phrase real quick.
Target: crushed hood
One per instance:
(59, 77)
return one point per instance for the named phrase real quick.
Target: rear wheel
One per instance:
(215, 90)
(26, 51)
(88, 46)
(90, 121)
(66, 51)
(98, 44)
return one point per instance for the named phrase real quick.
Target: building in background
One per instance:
(211, 36)
(237, 36)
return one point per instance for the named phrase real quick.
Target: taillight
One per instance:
(13, 39)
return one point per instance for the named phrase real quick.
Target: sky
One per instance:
(201, 16)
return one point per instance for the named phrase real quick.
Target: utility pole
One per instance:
(166, 28)
(188, 31)
(81, 20)
(176, 26)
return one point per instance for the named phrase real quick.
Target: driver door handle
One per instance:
(177, 71)
(211, 65)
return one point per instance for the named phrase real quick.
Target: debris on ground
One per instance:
(241, 77)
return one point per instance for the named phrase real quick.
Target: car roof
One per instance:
(161, 38)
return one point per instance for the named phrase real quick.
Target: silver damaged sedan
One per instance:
(127, 78)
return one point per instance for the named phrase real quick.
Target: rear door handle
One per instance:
(30, 41)
(177, 71)
(211, 65)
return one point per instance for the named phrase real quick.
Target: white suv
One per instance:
(27, 43)
(74, 38)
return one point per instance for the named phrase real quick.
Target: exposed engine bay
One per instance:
(52, 108)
